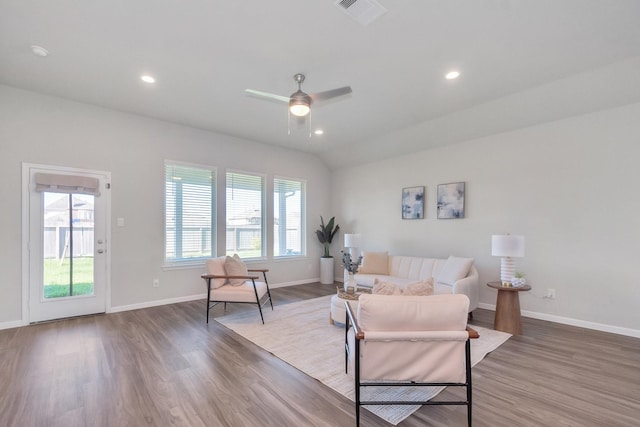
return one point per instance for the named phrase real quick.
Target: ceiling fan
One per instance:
(300, 102)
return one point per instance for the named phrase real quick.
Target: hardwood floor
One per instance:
(165, 366)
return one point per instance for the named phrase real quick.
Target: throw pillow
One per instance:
(235, 267)
(454, 269)
(375, 263)
(385, 288)
(216, 266)
(423, 288)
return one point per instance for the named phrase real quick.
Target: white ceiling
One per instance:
(522, 62)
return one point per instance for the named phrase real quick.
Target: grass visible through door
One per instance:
(56, 277)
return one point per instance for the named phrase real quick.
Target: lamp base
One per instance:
(507, 270)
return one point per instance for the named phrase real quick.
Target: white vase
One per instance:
(326, 271)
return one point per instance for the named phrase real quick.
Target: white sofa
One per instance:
(450, 276)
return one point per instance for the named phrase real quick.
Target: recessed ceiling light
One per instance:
(452, 75)
(318, 132)
(39, 50)
(147, 78)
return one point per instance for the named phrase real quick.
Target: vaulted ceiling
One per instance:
(522, 62)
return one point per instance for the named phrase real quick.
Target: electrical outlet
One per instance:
(551, 293)
(156, 283)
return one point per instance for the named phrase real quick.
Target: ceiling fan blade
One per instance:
(328, 94)
(267, 95)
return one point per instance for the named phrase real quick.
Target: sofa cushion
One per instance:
(215, 266)
(385, 288)
(235, 267)
(368, 280)
(422, 288)
(454, 269)
(375, 263)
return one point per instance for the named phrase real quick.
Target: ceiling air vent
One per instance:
(363, 11)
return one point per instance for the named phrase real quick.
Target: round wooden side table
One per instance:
(508, 308)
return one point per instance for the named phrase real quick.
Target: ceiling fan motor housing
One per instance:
(300, 103)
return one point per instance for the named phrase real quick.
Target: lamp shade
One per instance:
(352, 240)
(507, 245)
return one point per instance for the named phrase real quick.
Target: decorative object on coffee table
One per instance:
(413, 203)
(451, 200)
(507, 246)
(351, 267)
(508, 317)
(352, 242)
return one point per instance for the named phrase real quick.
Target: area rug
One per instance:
(300, 334)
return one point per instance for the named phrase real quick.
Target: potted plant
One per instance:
(325, 235)
(518, 280)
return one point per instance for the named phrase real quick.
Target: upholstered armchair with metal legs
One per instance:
(235, 284)
(409, 341)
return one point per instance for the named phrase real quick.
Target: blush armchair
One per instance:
(409, 341)
(229, 280)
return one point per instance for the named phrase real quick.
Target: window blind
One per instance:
(288, 214)
(190, 200)
(245, 214)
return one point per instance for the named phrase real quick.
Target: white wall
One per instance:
(46, 130)
(570, 187)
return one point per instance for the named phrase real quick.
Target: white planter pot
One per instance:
(326, 271)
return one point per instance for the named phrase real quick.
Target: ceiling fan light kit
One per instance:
(299, 101)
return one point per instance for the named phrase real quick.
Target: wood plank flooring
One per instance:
(165, 366)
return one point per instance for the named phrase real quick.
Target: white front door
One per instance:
(66, 242)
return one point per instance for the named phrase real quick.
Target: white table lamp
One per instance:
(507, 246)
(352, 241)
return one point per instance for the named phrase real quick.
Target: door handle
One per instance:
(100, 251)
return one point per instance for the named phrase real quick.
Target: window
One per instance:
(190, 199)
(245, 215)
(288, 213)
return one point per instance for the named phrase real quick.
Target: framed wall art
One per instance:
(413, 203)
(451, 200)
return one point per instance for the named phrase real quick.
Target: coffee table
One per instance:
(508, 317)
(338, 313)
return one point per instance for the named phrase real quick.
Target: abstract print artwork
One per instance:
(451, 200)
(413, 203)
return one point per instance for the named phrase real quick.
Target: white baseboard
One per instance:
(147, 304)
(156, 303)
(12, 324)
(572, 322)
(294, 283)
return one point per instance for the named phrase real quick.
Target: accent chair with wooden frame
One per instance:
(249, 291)
(409, 341)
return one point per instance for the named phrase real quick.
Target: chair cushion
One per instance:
(239, 293)
(375, 263)
(413, 313)
(235, 267)
(216, 266)
(454, 269)
(422, 288)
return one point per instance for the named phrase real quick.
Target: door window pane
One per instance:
(68, 236)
